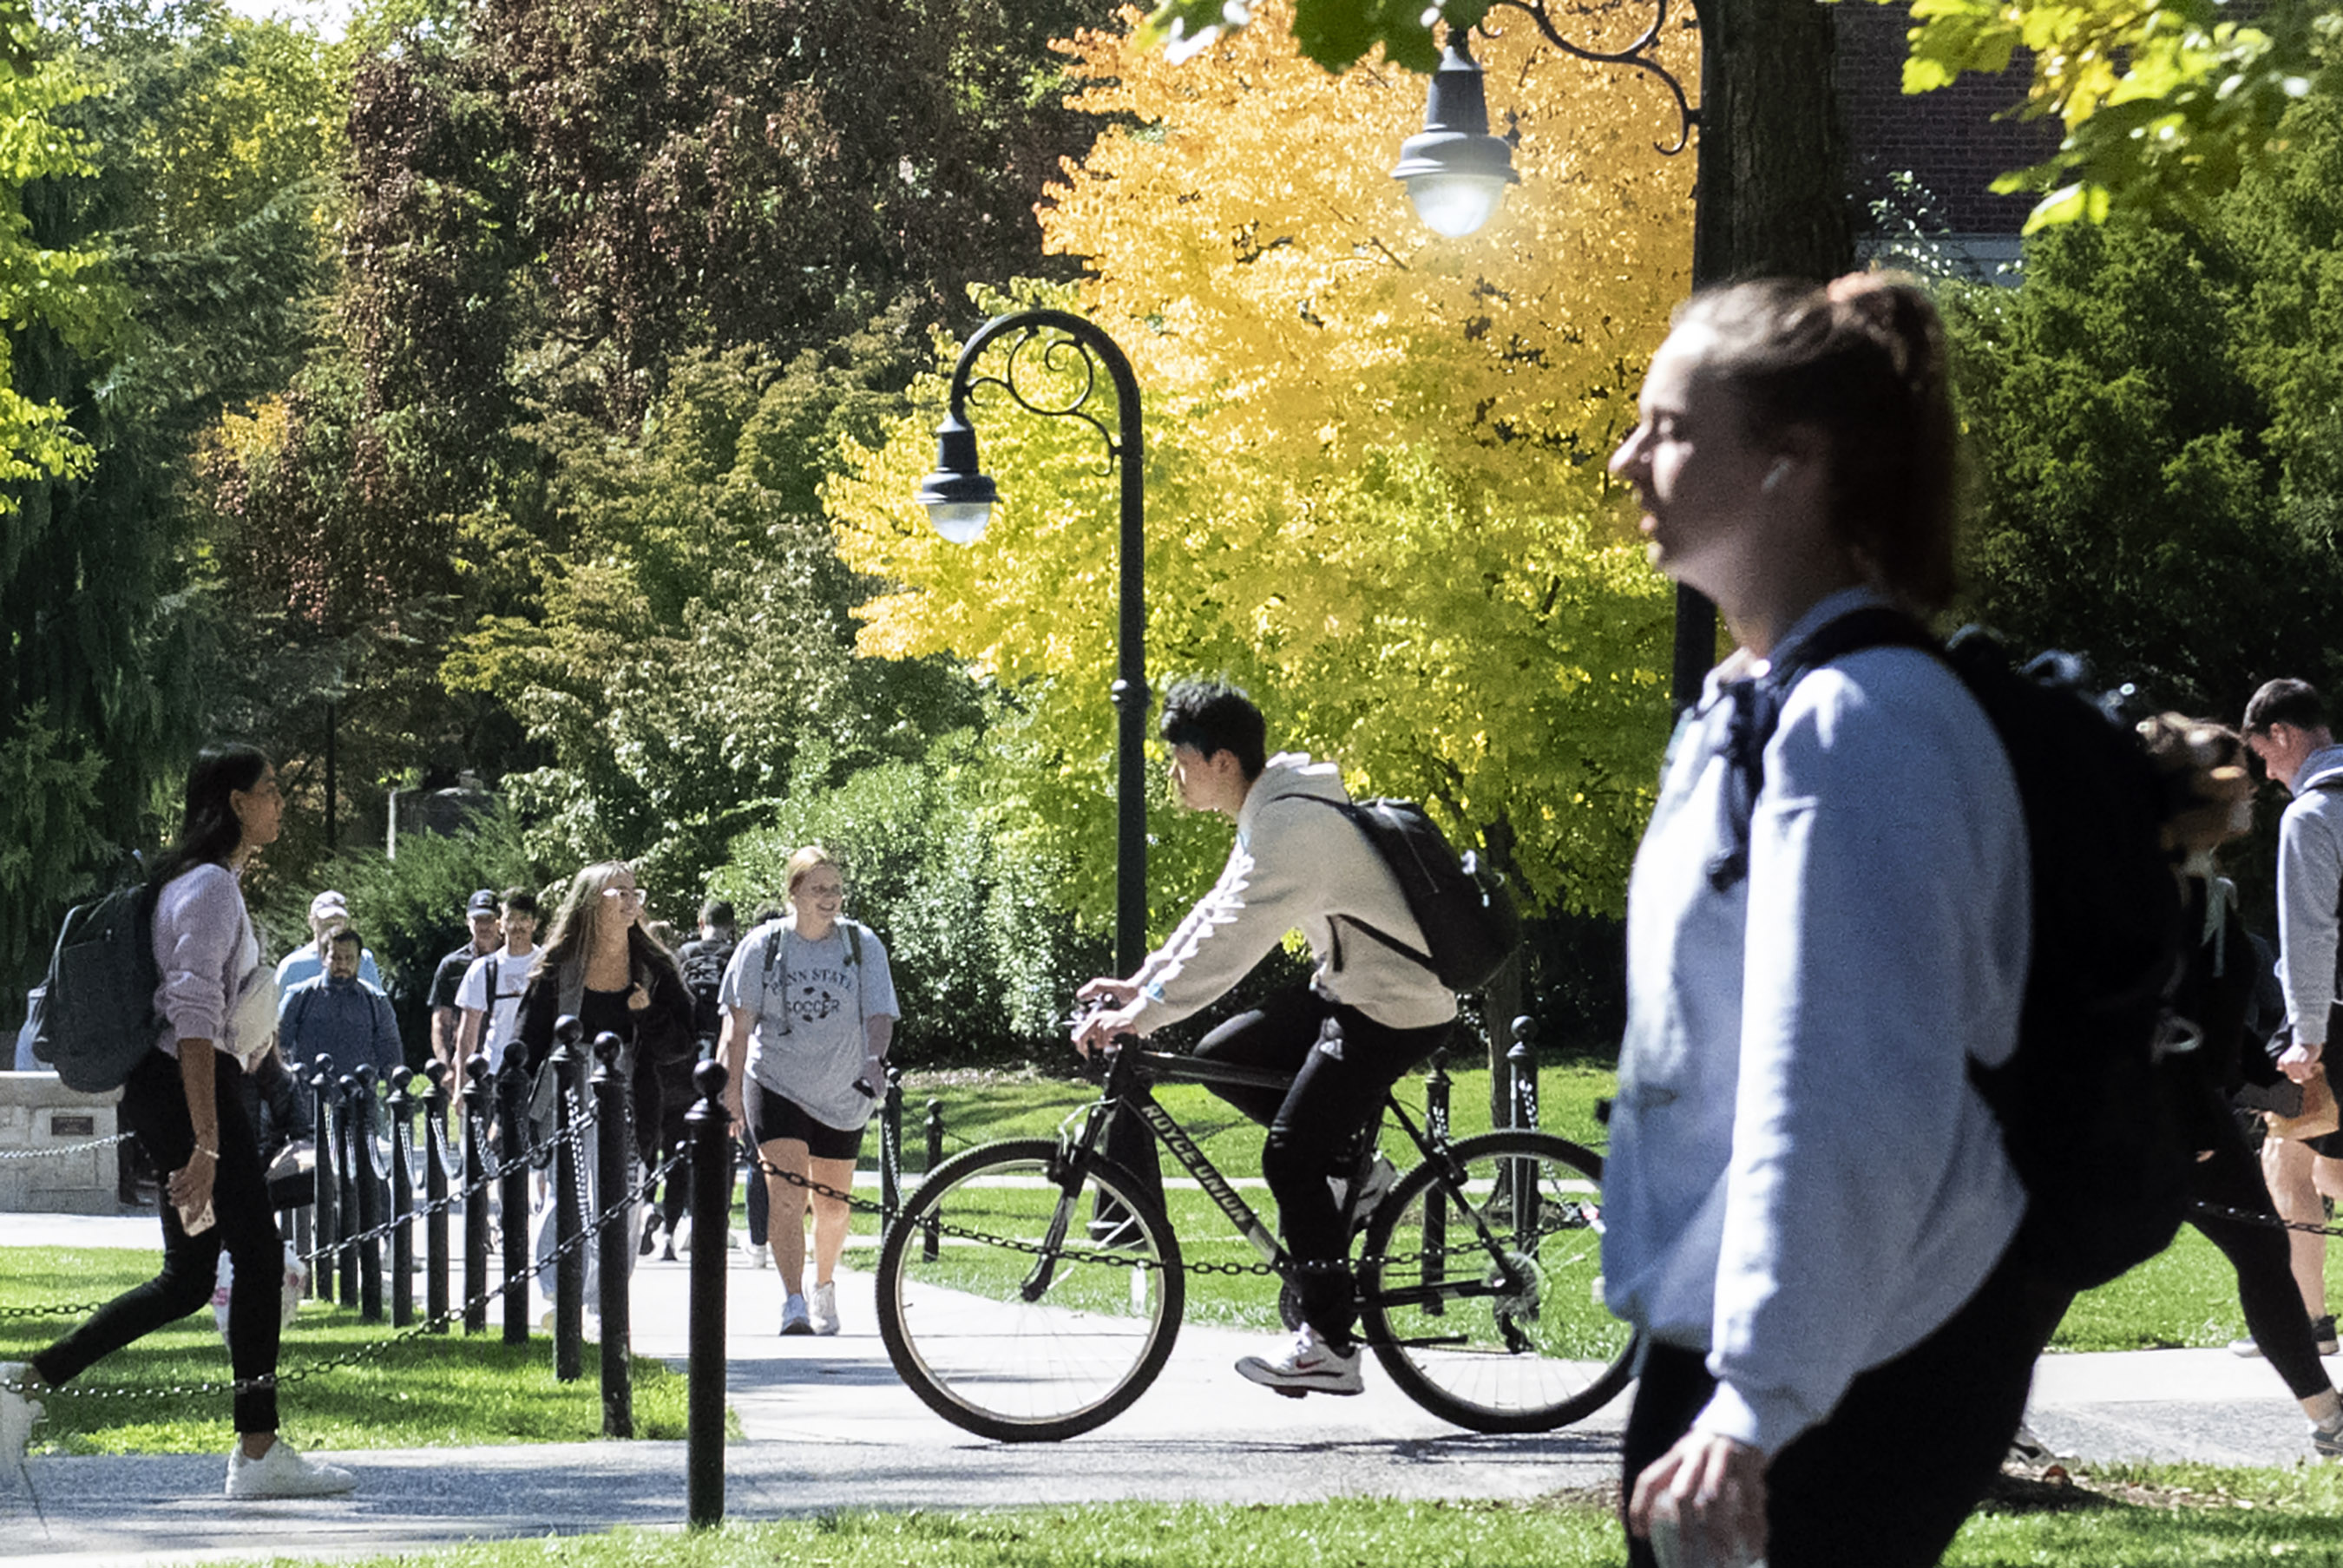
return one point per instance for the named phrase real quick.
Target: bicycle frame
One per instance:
(1130, 1075)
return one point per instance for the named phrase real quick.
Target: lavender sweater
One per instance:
(203, 945)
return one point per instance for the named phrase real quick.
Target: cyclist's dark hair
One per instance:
(1214, 716)
(348, 934)
(521, 899)
(2295, 702)
(718, 912)
(209, 830)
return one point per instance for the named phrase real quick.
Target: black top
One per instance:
(448, 977)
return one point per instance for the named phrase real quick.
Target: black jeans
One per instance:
(154, 1108)
(1345, 1064)
(1886, 1479)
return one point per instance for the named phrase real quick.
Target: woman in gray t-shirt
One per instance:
(808, 1009)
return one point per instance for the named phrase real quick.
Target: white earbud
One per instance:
(1774, 475)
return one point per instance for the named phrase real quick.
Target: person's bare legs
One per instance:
(831, 1216)
(2288, 1166)
(785, 1215)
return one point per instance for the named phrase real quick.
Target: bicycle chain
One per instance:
(370, 1352)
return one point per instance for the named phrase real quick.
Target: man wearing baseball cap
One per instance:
(447, 1016)
(328, 914)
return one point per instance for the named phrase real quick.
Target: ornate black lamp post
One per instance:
(960, 497)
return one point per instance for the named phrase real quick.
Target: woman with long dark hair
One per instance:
(1808, 1211)
(185, 1104)
(601, 967)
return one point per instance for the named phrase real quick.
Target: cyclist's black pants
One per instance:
(1345, 1064)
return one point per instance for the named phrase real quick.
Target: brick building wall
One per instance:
(1948, 139)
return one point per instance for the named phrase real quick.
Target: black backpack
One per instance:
(1464, 910)
(94, 1019)
(2083, 1116)
(703, 964)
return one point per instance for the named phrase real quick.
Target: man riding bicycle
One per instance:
(1365, 1016)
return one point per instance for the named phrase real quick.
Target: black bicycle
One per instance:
(1032, 1288)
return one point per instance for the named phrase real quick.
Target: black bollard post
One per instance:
(614, 1234)
(512, 1165)
(569, 1220)
(710, 1128)
(1436, 1204)
(891, 1153)
(477, 1097)
(366, 1169)
(346, 1200)
(1523, 1060)
(325, 1182)
(931, 1236)
(402, 1199)
(437, 1159)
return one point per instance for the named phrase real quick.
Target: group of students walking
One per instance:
(1811, 1216)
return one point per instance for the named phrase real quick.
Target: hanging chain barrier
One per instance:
(608, 1215)
(10, 1155)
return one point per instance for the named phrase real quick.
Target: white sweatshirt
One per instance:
(1801, 1180)
(1296, 865)
(2310, 882)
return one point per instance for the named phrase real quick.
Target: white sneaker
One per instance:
(18, 1413)
(759, 1254)
(825, 1307)
(793, 1317)
(282, 1473)
(1310, 1366)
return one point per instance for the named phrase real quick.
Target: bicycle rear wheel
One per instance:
(1011, 1310)
(1483, 1301)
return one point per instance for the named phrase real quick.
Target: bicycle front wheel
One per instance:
(1482, 1299)
(1024, 1305)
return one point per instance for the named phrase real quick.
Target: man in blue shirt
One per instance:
(339, 1015)
(328, 914)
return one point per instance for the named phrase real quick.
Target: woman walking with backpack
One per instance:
(810, 1008)
(184, 1102)
(1808, 1211)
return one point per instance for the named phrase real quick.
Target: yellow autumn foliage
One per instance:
(1374, 456)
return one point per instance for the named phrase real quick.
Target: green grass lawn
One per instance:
(2162, 1518)
(432, 1389)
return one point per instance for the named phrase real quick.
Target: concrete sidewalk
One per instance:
(827, 1426)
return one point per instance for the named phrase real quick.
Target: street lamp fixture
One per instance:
(959, 495)
(1456, 172)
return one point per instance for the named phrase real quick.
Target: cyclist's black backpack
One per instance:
(1464, 910)
(95, 1017)
(2082, 1115)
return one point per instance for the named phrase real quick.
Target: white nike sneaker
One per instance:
(1310, 1366)
(823, 1308)
(282, 1473)
(19, 1412)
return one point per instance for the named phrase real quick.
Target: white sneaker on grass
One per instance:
(1310, 1365)
(794, 1320)
(19, 1412)
(282, 1473)
(825, 1307)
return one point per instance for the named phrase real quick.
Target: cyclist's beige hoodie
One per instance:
(1295, 864)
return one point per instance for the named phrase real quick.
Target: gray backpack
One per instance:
(94, 1018)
